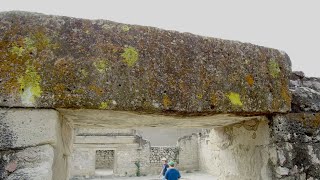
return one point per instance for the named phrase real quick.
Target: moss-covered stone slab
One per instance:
(63, 62)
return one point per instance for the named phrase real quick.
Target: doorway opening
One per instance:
(104, 162)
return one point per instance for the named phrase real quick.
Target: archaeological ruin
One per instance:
(84, 99)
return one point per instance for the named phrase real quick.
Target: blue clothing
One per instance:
(164, 169)
(172, 174)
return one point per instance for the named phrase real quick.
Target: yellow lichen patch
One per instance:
(96, 89)
(130, 56)
(234, 99)
(125, 28)
(104, 105)
(29, 45)
(166, 101)
(249, 79)
(79, 91)
(316, 121)
(285, 95)
(274, 68)
(101, 65)
(275, 104)
(213, 99)
(29, 86)
(199, 96)
(18, 51)
(59, 87)
(42, 42)
(84, 72)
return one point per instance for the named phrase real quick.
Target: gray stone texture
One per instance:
(33, 144)
(27, 127)
(305, 93)
(297, 141)
(296, 135)
(189, 152)
(30, 163)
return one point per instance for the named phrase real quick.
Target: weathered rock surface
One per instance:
(62, 62)
(296, 135)
(27, 127)
(305, 93)
(297, 141)
(30, 163)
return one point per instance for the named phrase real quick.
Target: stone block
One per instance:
(305, 93)
(30, 163)
(104, 139)
(63, 62)
(27, 127)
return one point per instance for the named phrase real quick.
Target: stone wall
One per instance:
(296, 135)
(240, 151)
(117, 149)
(104, 159)
(31, 145)
(189, 152)
(165, 136)
(159, 152)
(297, 141)
(164, 78)
(83, 162)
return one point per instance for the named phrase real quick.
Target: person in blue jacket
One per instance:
(172, 173)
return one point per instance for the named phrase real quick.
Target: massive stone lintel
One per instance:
(63, 62)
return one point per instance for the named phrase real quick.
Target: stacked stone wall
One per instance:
(296, 136)
(104, 159)
(159, 152)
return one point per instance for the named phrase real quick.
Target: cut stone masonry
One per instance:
(70, 88)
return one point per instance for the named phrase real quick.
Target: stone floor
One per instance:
(185, 176)
(103, 174)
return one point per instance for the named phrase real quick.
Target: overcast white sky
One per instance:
(289, 25)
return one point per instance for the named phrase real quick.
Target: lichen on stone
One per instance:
(29, 44)
(130, 56)
(250, 80)
(166, 101)
(18, 51)
(101, 65)
(274, 68)
(104, 105)
(30, 85)
(199, 96)
(235, 99)
(84, 72)
(125, 28)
